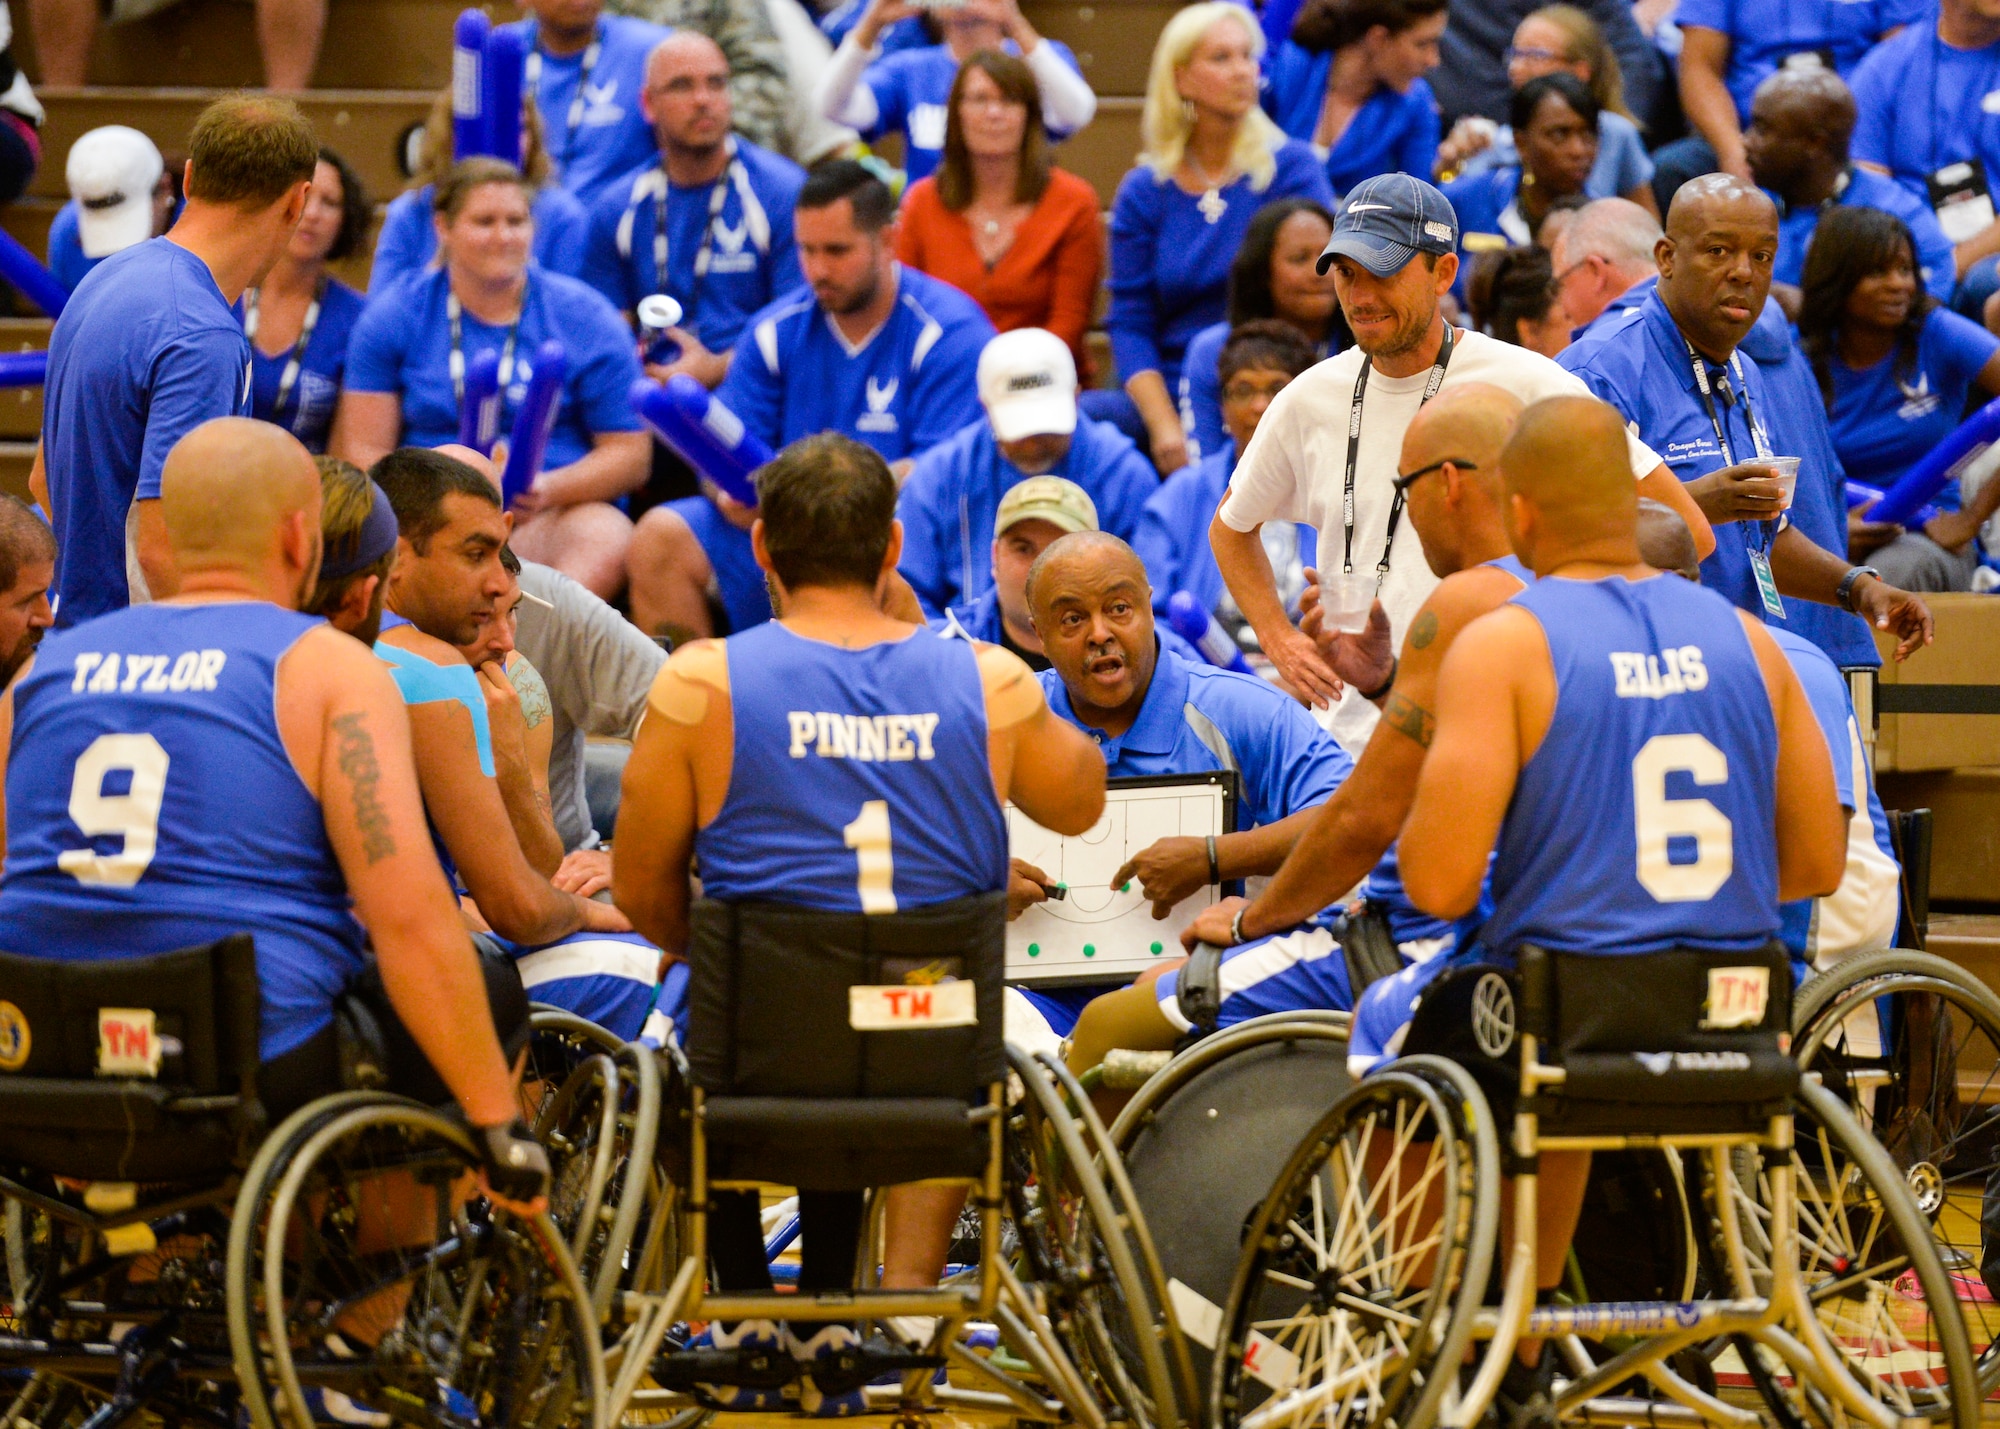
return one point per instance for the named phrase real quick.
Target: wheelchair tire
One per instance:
(599, 1129)
(492, 1323)
(1941, 1134)
(1324, 1325)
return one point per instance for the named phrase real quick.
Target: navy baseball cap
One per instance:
(1386, 221)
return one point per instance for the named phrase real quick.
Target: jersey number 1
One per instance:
(875, 865)
(135, 815)
(1656, 819)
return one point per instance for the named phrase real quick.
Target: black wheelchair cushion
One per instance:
(825, 1144)
(59, 1115)
(768, 1020)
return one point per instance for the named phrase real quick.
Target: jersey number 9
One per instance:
(1657, 819)
(134, 815)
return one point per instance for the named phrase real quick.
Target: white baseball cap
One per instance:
(1027, 380)
(112, 172)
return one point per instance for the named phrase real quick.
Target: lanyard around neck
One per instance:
(718, 195)
(289, 377)
(531, 81)
(454, 311)
(1431, 385)
(1758, 441)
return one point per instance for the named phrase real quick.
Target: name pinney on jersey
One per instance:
(875, 739)
(101, 674)
(1676, 671)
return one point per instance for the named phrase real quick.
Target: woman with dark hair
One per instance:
(997, 220)
(1513, 297)
(1896, 371)
(299, 318)
(1350, 82)
(1554, 119)
(1275, 275)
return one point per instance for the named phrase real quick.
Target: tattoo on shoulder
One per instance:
(1424, 629)
(1405, 714)
(355, 749)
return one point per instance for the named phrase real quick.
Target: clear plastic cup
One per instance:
(1787, 469)
(1347, 598)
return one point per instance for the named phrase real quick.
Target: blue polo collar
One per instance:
(1157, 728)
(1666, 335)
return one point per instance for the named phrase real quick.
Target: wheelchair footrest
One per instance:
(684, 1370)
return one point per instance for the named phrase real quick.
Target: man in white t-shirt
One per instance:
(1394, 254)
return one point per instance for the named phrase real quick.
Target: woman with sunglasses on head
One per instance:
(1555, 128)
(1350, 82)
(1896, 371)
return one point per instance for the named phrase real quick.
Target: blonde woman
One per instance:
(1561, 39)
(1212, 159)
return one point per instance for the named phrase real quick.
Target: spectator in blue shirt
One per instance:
(1212, 159)
(1603, 261)
(909, 92)
(1729, 47)
(1895, 370)
(584, 72)
(120, 193)
(1474, 77)
(877, 351)
(1257, 363)
(1561, 39)
(1154, 712)
(1350, 82)
(148, 349)
(1031, 517)
(300, 317)
(1921, 118)
(406, 372)
(1555, 130)
(408, 240)
(1275, 275)
(1800, 125)
(1027, 384)
(1653, 365)
(725, 248)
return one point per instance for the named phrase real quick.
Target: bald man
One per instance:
(1800, 123)
(1672, 369)
(709, 220)
(1451, 464)
(219, 763)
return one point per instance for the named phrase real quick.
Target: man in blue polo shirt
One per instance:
(1672, 369)
(1152, 711)
(1027, 383)
(584, 71)
(1603, 261)
(1797, 142)
(725, 248)
(1729, 47)
(874, 350)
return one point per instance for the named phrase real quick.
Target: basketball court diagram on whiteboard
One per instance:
(1096, 931)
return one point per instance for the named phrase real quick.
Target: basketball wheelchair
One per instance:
(790, 1073)
(166, 1254)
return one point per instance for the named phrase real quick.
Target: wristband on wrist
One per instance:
(1843, 595)
(1214, 868)
(1236, 926)
(1388, 683)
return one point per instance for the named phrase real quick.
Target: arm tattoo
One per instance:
(1403, 713)
(356, 753)
(1423, 629)
(531, 689)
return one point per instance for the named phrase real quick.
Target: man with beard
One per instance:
(27, 569)
(1672, 369)
(1326, 450)
(873, 350)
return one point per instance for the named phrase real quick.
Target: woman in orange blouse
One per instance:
(997, 221)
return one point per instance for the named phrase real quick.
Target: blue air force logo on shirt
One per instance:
(600, 105)
(1641, 676)
(878, 417)
(1918, 399)
(873, 739)
(728, 256)
(101, 674)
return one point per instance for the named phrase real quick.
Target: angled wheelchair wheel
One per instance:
(1912, 1044)
(364, 1228)
(1354, 1299)
(1884, 1314)
(599, 1128)
(1086, 1246)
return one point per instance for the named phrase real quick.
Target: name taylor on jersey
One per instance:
(101, 674)
(875, 739)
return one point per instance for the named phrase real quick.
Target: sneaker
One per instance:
(829, 1389)
(748, 1336)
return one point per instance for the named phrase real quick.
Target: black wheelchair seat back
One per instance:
(1679, 1042)
(130, 1069)
(795, 1090)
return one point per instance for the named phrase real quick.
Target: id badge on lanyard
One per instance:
(1760, 560)
(1961, 200)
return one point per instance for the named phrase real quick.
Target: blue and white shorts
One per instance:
(611, 979)
(1303, 969)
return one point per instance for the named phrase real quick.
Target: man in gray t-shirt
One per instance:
(598, 668)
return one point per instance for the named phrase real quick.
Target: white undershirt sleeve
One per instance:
(1264, 485)
(1068, 101)
(842, 97)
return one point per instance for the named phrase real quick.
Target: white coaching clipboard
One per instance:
(1096, 932)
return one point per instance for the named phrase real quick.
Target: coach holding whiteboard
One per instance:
(1393, 254)
(148, 349)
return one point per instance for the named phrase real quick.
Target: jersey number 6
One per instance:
(135, 814)
(1656, 819)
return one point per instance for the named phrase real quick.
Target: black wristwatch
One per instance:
(1843, 595)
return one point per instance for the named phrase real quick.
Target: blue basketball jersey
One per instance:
(860, 779)
(1646, 819)
(151, 806)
